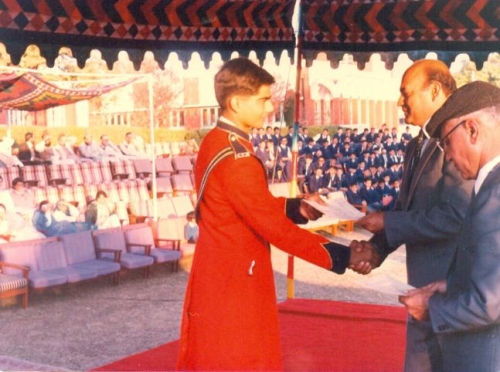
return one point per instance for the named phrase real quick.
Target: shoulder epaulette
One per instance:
(240, 151)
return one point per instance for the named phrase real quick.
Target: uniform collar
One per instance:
(228, 126)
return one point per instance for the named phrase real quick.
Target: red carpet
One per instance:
(316, 336)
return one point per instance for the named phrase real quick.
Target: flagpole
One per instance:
(295, 147)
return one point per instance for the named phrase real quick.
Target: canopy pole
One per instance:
(295, 147)
(152, 140)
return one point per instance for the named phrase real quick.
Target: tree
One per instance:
(167, 90)
(490, 72)
(279, 97)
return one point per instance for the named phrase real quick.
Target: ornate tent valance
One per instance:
(447, 27)
(160, 26)
(336, 27)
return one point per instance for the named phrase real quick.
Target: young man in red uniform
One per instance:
(230, 317)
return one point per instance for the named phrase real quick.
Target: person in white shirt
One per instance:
(65, 211)
(128, 147)
(6, 153)
(63, 154)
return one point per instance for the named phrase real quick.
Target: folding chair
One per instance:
(106, 172)
(182, 164)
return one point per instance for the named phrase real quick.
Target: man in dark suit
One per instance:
(431, 206)
(352, 161)
(370, 195)
(316, 181)
(27, 153)
(464, 310)
(353, 196)
(383, 158)
(305, 168)
(276, 136)
(289, 137)
(340, 135)
(334, 179)
(407, 134)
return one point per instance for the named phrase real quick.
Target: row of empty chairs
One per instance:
(165, 166)
(97, 172)
(171, 148)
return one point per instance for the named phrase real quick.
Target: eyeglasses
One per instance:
(444, 142)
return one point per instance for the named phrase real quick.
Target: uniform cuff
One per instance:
(340, 255)
(292, 210)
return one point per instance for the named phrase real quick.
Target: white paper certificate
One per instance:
(337, 207)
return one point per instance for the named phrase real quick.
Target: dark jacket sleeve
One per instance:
(91, 214)
(293, 211)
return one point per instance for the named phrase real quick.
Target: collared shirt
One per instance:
(227, 121)
(484, 171)
(426, 135)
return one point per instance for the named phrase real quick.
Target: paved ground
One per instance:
(90, 324)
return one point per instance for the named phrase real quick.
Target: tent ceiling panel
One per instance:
(160, 26)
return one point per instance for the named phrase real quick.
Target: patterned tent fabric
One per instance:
(29, 91)
(161, 26)
(447, 27)
(360, 27)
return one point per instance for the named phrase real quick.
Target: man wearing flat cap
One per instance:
(464, 309)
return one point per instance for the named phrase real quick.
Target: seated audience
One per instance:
(5, 228)
(90, 150)
(27, 154)
(353, 196)
(44, 221)
(13, 227)
(44, 150)
(191, 229)
(316, 182)
(284, 158)
(110, 150)
(66, 212)
(305, 168)
(128, 148)
(22, 198)
(101, 213)
(394, 194)
(8, 157)
(63, 153)
(385, 193)
(370, 196)
(264, 156)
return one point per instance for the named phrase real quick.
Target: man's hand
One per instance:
(436, 287)
(373, 222)
(307, 210)
(417, 303)
(417, 300)
(364, 257)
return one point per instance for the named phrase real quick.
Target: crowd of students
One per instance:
(366, 166)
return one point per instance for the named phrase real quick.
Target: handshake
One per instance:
(364, 257)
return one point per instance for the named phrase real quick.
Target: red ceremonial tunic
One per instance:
(230, 317)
